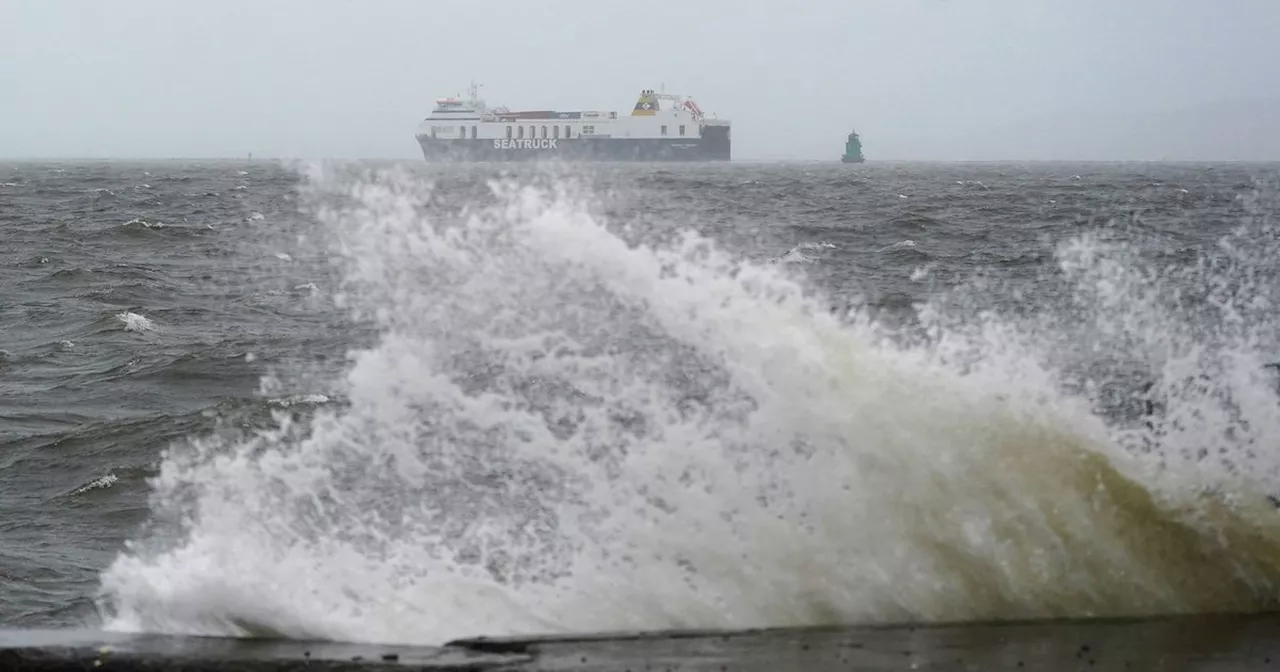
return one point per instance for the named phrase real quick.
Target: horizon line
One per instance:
(247, 159)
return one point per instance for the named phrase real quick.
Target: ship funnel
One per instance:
(646, 105)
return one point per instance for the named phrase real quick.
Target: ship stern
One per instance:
(716, 140)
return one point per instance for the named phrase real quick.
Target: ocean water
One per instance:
(403, 403)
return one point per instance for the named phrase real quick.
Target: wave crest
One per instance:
(559, 430)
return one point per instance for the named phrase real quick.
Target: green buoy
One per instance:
(852, 149)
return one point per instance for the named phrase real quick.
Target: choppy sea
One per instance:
(405, 403)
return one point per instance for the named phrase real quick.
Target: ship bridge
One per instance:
(454, 108)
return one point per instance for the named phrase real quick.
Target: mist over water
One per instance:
(568, 425)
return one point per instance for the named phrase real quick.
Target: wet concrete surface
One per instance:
(1221, 642)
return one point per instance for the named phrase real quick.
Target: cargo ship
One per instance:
(661, 127)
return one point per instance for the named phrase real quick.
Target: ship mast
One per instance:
(473, 93)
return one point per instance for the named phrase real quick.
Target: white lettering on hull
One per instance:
(532, 143)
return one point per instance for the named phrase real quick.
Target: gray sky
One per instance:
(920, 79)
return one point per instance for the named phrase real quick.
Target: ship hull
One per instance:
(713, 146)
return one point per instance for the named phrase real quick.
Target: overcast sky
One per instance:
(920, 79)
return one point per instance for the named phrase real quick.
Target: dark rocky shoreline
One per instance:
(1235, 642)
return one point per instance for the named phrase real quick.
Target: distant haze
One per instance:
(920, 79)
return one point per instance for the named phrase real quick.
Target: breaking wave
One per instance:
(560, 430)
